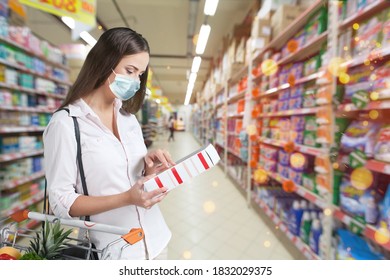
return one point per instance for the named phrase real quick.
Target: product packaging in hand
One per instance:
(185, 169)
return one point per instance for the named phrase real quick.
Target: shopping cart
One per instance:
(11, 235)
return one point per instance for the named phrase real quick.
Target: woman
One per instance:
(109, 89)
(171, 126)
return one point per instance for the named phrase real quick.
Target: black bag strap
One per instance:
(79, 161)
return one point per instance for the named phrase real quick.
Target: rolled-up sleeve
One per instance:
(60, 165)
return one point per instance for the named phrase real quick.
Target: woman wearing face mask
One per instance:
(108, 91)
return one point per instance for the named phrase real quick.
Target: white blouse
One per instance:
(110, 166)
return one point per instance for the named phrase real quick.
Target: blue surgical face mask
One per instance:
(124, 87)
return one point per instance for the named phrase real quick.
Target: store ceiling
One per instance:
(168, 25)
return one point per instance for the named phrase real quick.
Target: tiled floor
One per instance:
(209, 217)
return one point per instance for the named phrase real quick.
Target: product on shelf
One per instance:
(352, 247)
(360, 135)
(382, 145)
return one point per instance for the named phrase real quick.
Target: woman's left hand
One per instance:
(157, 161)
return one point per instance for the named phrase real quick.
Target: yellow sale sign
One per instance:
(80, 10)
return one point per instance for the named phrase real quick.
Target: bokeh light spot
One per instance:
(187, 255)
(336, 66)
(373, 114)
(269, 67)
(344, 78)
(374, 95)
(361, 178)
(356, 26)
(209, 207)
(382, 235)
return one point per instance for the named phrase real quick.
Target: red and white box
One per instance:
(185, 169)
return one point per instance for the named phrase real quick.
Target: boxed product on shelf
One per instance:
(316, 24)
(382, 144)
(361, 249)
(311, 65)
(367, 37)
(309, 97)
(4, 14)
(382, 81)
(284, 16)
(360, 135)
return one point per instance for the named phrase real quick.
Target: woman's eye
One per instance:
(129, 72)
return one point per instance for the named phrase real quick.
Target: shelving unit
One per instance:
(325, 43)
(26, 108)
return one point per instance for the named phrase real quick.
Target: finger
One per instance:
(148, 161)
(158, 198)
(152, 194)
(161, 157)
(169, 158)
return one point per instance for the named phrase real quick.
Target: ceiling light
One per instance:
(192, 78)
(88, 38)
(210, 7)
(202, 39)
(69, 22)
(188, 96)
(196, 64)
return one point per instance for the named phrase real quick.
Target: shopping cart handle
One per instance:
(133, 236)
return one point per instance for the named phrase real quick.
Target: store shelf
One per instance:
(374, 105)
(239, 74)
(27, 109)
(32, 91)
(307, 50)
(378, 166)
(237, 97)
(16, 182)
(304, 111)
(302, 80)
(301, 246)
(369, 231)
(21, 129)
(364, 14)
(299, 148)
(236, 180)
(25, 50)
(23, 205)
(32, 72)
(241, 115)
(301, 191)
(235, 154)
(279, 41)
(15, 156)
(372, 56)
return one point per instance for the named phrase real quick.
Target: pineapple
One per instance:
(49, 242)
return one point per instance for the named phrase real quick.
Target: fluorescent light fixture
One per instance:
(202, 38)
(196, 64)
(192, 79)
(69, 22)
(88, 38)
(210, 7)
(188, 95)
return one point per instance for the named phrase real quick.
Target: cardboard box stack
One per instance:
(284, 16)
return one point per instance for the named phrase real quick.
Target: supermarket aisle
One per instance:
(209, 217)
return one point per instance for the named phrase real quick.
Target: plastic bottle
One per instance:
(315, 234)
(371, 211)
(295, 217)
(305, 227)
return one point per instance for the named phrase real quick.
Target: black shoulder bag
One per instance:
(76, 252)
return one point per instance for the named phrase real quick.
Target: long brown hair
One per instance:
(111, 47)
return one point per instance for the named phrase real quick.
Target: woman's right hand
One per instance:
(136, 195)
